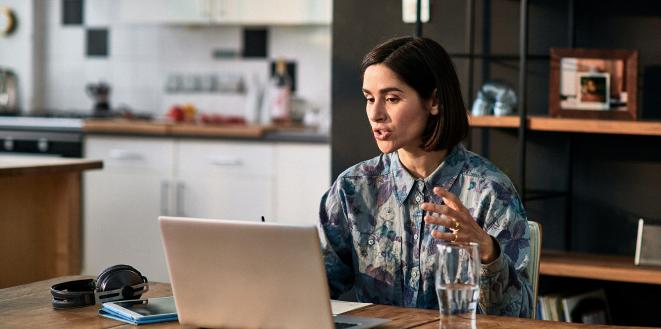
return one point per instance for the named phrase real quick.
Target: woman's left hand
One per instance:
(456, 217)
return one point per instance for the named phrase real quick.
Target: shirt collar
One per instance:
(445, 175)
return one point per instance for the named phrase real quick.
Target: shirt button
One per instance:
(370, 242)
(414, 274)
(415, 236)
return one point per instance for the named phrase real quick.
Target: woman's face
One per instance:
(396, 112)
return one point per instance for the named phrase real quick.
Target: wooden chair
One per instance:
(533, 262)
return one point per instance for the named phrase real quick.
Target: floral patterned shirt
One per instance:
(375, 239)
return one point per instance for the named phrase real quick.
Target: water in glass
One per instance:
(458, 279)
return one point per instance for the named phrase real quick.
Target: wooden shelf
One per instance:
(487, 121)
(542, 123)
(618, 127)
(600, 267)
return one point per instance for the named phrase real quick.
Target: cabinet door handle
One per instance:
(180, 199)
(207, 7)
(165, 198)
(119, 154)
(225, 161)
(219, 8)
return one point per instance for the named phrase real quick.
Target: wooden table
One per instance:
(39, 217)
(29, 306)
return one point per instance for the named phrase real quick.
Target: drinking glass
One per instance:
(458, 279)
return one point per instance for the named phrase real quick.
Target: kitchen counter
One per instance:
(41, 124)
(26, 125)
(40, 217)
(188, 130)
(25, 165)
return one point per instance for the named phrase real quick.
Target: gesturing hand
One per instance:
(456, 217)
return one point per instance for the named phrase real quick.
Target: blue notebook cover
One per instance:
(141, 311)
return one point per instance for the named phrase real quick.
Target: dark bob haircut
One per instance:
(424, 65)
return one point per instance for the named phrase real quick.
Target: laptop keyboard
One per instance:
(341, 325)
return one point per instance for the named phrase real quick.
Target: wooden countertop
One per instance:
(14, 165)
(164, 128)
(125, 126)
(287, 133)
(28, 306)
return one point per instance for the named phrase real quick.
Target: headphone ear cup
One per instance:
(108, 271)
(120, 278)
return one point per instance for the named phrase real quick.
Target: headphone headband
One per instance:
(70, 294)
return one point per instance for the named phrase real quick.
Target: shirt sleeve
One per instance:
(505, 287)
(336, 240)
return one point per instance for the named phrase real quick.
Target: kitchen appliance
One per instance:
(48, 143)
(47, 136)
(7, 21)
(8, 93)
(50, 132)
(100, 94)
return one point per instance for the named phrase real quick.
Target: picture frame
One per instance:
(593, 83)
(648, 243)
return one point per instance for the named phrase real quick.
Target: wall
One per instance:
(142, 56)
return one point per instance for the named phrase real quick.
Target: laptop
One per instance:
(237, 274)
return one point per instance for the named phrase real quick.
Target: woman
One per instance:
(383, 217)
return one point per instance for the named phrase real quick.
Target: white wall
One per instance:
(142, 56)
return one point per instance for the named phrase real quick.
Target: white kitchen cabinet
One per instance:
(166, 11)
(229, 180)
(123, 201)
(278, 12)
(235, 12)
(144, 178)
(302, 176)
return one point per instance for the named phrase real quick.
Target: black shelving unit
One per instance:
(522, 58)
(522, 134)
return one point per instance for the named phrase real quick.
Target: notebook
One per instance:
(141, 311)
(239, 274)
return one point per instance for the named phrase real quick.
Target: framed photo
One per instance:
(593, 91)
(593, 83)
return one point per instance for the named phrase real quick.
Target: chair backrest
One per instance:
(533, 262)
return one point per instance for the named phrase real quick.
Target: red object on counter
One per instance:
(188, 113)
(219, 119)
(176, 114)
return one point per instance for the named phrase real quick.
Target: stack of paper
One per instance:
(339, 307)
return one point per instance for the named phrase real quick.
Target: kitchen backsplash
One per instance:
(143, 61)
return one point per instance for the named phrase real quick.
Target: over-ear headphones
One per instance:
(114, 283)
